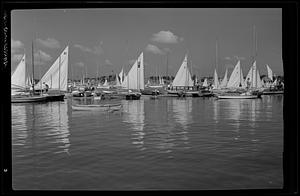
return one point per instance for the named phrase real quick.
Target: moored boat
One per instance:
(103, 107)
(28, 99)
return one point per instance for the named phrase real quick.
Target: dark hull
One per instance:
(55, 97)
(28, 99)
(133, 97)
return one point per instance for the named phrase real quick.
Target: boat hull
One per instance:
(237, 97)
(28, 99)
(272, 92)
(108, 107)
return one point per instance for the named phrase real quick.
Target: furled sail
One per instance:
(57, 75)
(224, 81)
(183, 76)
(18, 78)
(236, 78)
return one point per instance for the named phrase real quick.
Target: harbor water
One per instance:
(168, 143)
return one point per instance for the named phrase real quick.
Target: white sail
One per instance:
(121, 75)
(205, 83)
(183, 76)
(18, 77)
(270, 73)
(118, 83)
(224, 81)
(236, 78)
(57, 75)
(105, 83)
(253, 77)
(216, 80)
(135, 77)
(161, 81)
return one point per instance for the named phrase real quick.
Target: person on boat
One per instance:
(46, 87)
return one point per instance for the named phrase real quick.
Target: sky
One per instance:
(105, 40)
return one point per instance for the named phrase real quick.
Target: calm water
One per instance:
(169, 143)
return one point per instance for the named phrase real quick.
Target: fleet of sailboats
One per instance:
(132, 83)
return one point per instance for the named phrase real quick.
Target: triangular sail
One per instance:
(118, 83)
(216, 80)
(236, 78)
(135, 76)
(57, 75)
(270, 73)
(105, 83)
(18, 78)
(205, 83)
(183, 76)
(224, 81)
(125, 82)
(121, 75)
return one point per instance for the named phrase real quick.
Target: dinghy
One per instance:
(104, 107)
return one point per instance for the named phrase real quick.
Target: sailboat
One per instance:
(182, 81)
(18, 78)
(205, 83)
(21, 72)
(236, 86)
(57, 76)
(224, 81)
(134, 79)
(271, 86)
(253, 78)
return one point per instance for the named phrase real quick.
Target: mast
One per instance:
(59, 74)
(216, 54)
(167, 65)
(32, 67)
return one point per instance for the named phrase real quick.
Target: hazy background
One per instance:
(112, 38)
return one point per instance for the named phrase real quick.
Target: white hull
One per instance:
(237, 96)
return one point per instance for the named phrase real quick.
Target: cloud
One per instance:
(40, 58)
(83, 48)
(97, 50)
(80, 64)
(154, 49)
(49, 43)
(239, 57)
(227, 58)
(16, 46)
(166, 37)
(107, 62)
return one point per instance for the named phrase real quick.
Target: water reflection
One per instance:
(19, 128)
(48, 126)
(182, 109)
(135, 116)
